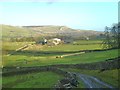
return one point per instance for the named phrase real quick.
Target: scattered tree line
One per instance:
(39, 38)
(112, 37)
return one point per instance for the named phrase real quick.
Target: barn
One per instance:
(56, 41)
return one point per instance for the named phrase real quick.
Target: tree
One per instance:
(106, 42)
(114, 36)
(111, 39)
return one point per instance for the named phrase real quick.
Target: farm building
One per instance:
(54, 41)
(43, 42)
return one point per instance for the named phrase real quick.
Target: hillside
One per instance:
(50, 29)
(62, 30)
(28, 31)
(15, 31)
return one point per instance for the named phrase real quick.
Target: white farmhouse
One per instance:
(56, 41)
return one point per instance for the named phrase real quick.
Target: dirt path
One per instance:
(92, 82)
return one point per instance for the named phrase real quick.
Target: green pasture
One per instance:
(87, 45)
(83, 42)
(42, 59)
(43, 55)
(6, 46)
(32, 80)
(71, 47)
(108, 76)
(38, 55)
(76, 46)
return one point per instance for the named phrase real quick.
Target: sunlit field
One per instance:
(38, 55)
(32, 80)
(44, 55)
(33, 59)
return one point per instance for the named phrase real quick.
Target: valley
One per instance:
(31, 59)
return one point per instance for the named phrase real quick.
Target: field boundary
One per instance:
(59, 52)
(103, 65)
(113, 63)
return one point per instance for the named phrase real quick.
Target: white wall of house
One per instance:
(56, 41)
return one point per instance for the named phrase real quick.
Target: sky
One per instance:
(76, 15)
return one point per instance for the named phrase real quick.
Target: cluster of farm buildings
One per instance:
(54, 41)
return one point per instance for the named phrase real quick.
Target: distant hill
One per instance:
(28, 31)
(15, 31)
(50, 29)
(63, 30)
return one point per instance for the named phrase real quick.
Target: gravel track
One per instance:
(92, 82)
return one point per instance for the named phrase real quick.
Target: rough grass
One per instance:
(32, 80)
(108, 76)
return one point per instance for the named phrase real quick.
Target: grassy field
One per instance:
(44, 59)
(85, 42)
(43, 55)
(32, 80)
(38, 55)
(63, 47)
(71, 47)
(6, 46)
(108, 76)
